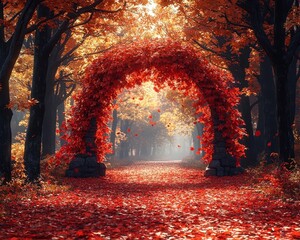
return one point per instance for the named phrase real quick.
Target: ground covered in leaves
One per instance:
(151, 201)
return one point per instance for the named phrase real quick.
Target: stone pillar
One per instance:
(222, 164)
(90, 139)
(86, 165)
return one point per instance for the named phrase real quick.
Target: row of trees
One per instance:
(261, 38)
(46, 27)
(60, 39)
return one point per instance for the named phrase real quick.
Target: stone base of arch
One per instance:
(86, 165)
(222, 168)
(222, 164)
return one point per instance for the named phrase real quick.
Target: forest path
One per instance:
(152, 201)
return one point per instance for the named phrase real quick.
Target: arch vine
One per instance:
(170, 63)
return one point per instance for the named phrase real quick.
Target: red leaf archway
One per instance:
(170, 63)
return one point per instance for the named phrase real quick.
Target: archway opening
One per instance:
(152, 125)
(171, 64)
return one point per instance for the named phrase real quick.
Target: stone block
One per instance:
(91, 161)
(241, 169)
(77, 162)
(227, 171)
(210, 172)
(73, 173)
(214, 164)
(85, 168)
(220, 172)
(236, 171)
(228, 162)
(101, 170)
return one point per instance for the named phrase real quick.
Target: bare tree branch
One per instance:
(68, 55)
(90, 54)
(84, 22)
(43, 22)
(15, 16)
(220, 54)
(235, 24)
(253, 8)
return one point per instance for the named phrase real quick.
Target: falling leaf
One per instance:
(257, 133)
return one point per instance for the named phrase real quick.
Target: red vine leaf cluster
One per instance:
(170, 63)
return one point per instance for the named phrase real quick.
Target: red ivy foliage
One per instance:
(169, 63)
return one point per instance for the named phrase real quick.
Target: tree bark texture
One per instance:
(284, 116)
(292, 76)
(239, 73)
(269, 105)
(9, 52)
(32, 154)
(51, 103)
(281, 56)
(113, 131)
(52, 100)
(124, 145)
(61, 119)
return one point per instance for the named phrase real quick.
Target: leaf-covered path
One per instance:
(152, 201)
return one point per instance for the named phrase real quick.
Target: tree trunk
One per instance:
(124, 145)
(51, 103)
(239, 73)
(286, 137)
(268, 100)
(5, 144)
(251, 154)
(9, 52)
(113, 130)
(281, 62)
(5, 113)
(260, 140)
(145, 152)
(5, 120)
(200, 133)
(292, 77)
(197, 132)
(49, 126)
(61, 119)
(32, 154)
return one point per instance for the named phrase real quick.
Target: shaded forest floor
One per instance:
(151, 201)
